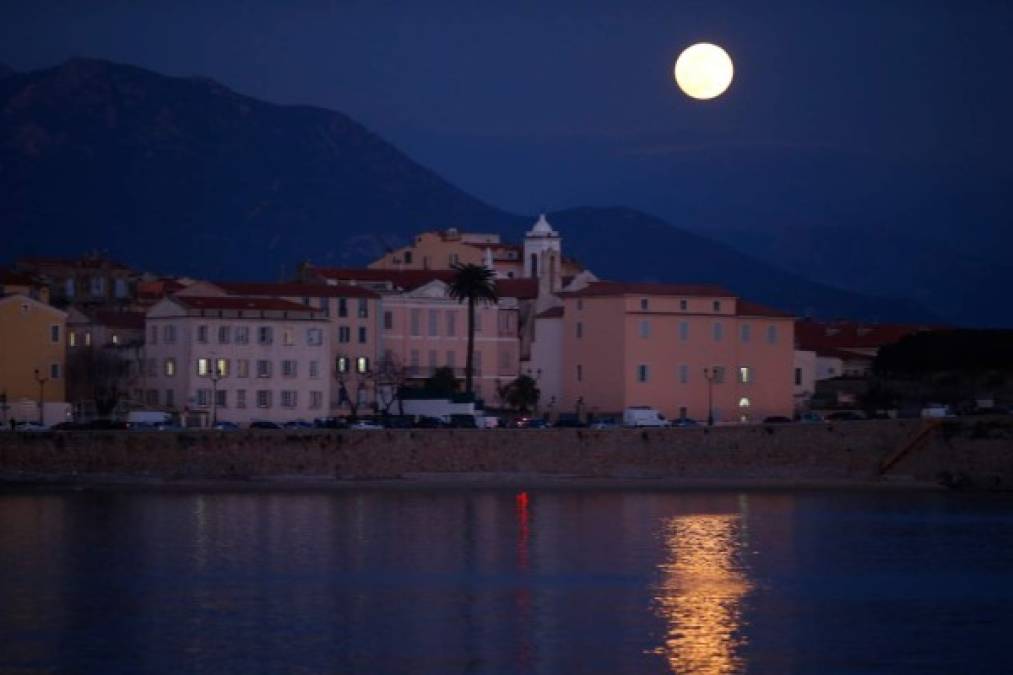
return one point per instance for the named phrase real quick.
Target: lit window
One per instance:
(203, 367)
(116, 339)
(362, 364)
(72, 338)
(745, 375)
(743, 402)
(170, 367)
(342, 363)
(222, 367)
(87, 338)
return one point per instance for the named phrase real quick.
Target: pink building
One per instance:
(237, 359)
(671, 347)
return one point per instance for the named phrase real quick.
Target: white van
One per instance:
(143, 419)
(643, 416)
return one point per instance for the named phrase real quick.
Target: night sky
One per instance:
(853, 118)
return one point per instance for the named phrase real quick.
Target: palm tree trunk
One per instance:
(469, 364)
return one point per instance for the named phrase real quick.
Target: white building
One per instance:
(237, 359)
(540, 240)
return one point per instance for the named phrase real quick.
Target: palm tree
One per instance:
(476, 284)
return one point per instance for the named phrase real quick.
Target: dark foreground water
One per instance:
(503, 581)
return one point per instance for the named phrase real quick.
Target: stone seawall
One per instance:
(974, 453)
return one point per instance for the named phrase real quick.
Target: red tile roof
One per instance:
(400, 279)
(746, 308)
(226, 302)
(818, 335)
(293, 290)
(522, 289)
(607, 288)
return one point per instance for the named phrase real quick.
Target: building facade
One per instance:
(237, 359)
(32, 356)
(688, 351)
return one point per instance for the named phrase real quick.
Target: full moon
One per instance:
(703, 71)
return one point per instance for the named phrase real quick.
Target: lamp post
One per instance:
(3, 405)
(42, 388)
(708, 375)
(216, 375)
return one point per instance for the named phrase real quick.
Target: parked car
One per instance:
(845, 416)
(538, 423)
(810, 417)
(223, 425)
(331, 423)
(684, 422)
(365, 425)
(428, 422)
(297, 424)
(147, 419)
(777, 419)
(264, 424)
(30, 427)
(643, 416)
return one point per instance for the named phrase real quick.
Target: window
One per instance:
(684, 331)
(263, 398)
(416, 322)
(362, 365)
(170, 397)
(642, 373)
(54, 333)
(288, 399)
(98, 287)
(154, 335)
(643, 304)
(263, 369)
(169, 334)
(743, 402)
(221, 398)
(451, 322)
(314, 337)
(772, 334)
(408, 257)
(120, 288)
(362, 335)
(580, 304)
(451, 358)
(170, 367)
(745, 374)
(69, 288)
(798, 377)
(432, 360)
(202, 334)
(87, 338)
(314, 369)
(363, 309)
(718, 375)
(240, 398)
(341, 363)
(203, 367)
(683, 305)
(242, 367)
(151, 397)
(116, 339)
(342, 306)
(325, 306)
(645, 328)
(414, 361)
(222, 367)
(434, 322)
(344, 334)
(204, 397)
(242, 335)
(54, 371)
(151, 367)
(388, 320)
(717, 305)
(744, 332)
(265, 335)
(684, 374)
(224, 335)
(580, 373)
(289, 368)
(287, 337)
(580, 330)
(316, 400)
(72, 338)
(453, 259)
(719, 332)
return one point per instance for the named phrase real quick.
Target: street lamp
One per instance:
(708, 375)
(216, 375)
(42, 387)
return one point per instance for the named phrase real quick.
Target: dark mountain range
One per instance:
(182, 175)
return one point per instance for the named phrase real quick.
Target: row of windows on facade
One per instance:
(717, 331)
(645, 305)
(75, 339)
(715, 374)
(449, 323)
(324, 304)
(240, 335)
(264, 398)
(262, 367)
(97, 287)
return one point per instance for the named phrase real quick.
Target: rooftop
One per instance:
(293, 290)
(819, 335)
(612, 288)
(226, 302)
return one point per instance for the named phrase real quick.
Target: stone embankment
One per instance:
(972, 453)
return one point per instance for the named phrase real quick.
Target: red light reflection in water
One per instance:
(525, 651)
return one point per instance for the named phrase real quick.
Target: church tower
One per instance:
(539, 240)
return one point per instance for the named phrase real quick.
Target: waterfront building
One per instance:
(237, 359)
(105, 354)
(91, 280)
(32, 357)
(688, 351)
